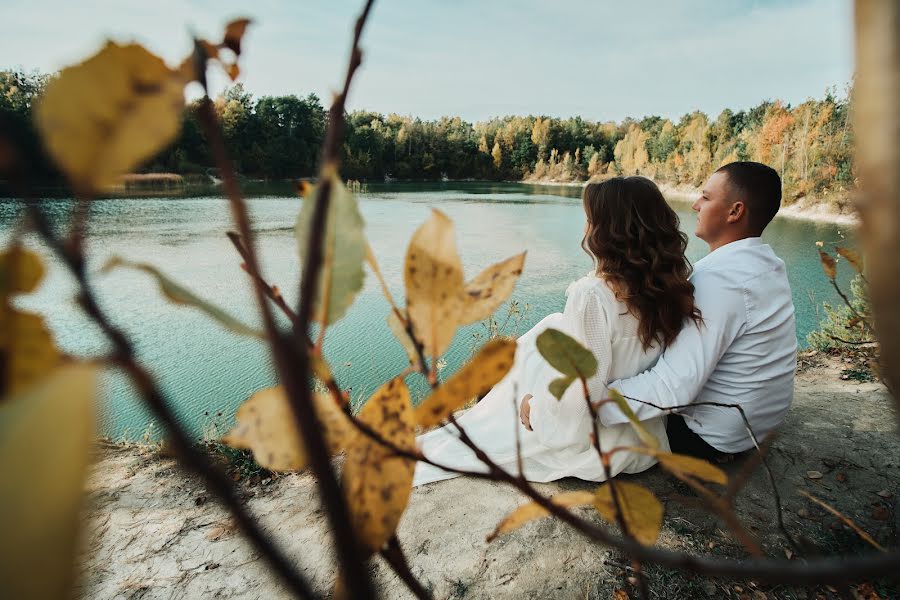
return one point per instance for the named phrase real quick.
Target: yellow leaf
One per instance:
(645, 436)
(45, 438)
(377, 482)
(531, 511)
(828, 264)
(27, 351)
(102, 118)
(853, 257)
(485, 293)
(20, 271)
(178, 294)
(399, 331)
(488, 367)
(266, 426)
(641, 511)
(433, 277)
(682, 465)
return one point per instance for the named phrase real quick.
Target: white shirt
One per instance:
(744, 353)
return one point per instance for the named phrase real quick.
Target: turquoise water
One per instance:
(207, 371)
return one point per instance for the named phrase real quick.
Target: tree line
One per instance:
(280, 137)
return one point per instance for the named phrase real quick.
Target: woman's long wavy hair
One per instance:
(633, 237)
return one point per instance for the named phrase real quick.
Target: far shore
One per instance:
(806, 209)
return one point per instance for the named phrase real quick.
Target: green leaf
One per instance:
(343, 250)
(565, 354)
(559, 386)
(46, 434)
(181, 295)
(646, 437)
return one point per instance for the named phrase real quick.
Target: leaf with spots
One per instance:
(265, 425)
(532, 510)
(343, 250)
(433, 277)
(178, 294)
(485, 293)
(853, 257)
(828, 264)
(46, 435)
(642, 512)
(566, 354)
(488, 367)
(27, 350)
(645, 436)
(102, 118)
(376, 481)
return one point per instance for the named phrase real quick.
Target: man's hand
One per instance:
(525, 412)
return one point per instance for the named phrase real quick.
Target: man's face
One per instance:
(713, 208)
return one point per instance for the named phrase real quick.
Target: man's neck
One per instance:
(713, 246)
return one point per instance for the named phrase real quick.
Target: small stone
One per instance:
(885, 494)
(738, 589)
(814, 474)
(803, 513)
(709, 588)
(788, 553)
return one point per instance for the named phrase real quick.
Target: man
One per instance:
(745, 352)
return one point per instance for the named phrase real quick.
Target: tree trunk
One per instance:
(877, 125)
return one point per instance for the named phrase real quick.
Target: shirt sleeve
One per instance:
(566, 422)
(684, 367)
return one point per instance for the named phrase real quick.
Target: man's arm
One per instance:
(684, 367)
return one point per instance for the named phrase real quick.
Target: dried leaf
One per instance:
(102, 118)
(27, 350)
(566, 354)
(233, 71)
(682, 465)
(641, 510)
(531, 511)
(814, 474)
(343, 249)
(433, 277)
(399, 331)
(181, 295)
(645, 436)
(484, 294)
(828, 264)
(488, 367)
(265, 425)
(46, 434)
(234, 32)
(376, 481)
(853, 257)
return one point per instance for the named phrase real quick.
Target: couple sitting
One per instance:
(679, 341)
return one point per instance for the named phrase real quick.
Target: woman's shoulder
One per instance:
(594, 285)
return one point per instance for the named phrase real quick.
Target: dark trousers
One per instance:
(683, 440)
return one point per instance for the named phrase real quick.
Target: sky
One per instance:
(599, 59)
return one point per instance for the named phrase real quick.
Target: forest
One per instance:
(280, 137)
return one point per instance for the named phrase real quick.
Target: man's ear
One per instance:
(737, 212)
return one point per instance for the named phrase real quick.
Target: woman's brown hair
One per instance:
(633, 237)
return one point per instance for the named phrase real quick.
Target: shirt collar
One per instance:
(729, 249)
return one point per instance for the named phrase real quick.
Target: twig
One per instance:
(393, 554)
(846, 520)
(290, 355)
(270, 290)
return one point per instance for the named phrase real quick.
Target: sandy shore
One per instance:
(152, 532)
(807, 209)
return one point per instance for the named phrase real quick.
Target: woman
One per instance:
(626, 310)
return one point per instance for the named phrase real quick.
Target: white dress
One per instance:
(559, 446)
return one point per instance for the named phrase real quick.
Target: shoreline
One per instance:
(803, 210)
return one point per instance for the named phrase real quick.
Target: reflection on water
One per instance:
(207, 371)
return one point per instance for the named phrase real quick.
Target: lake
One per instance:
(207, 371)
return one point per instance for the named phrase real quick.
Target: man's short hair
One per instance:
(758, 186)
